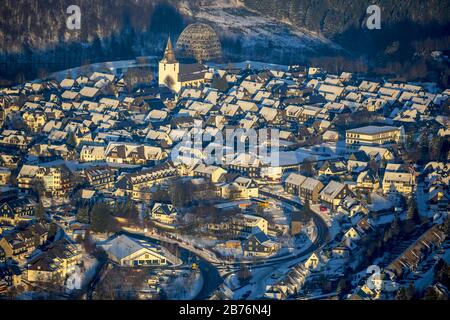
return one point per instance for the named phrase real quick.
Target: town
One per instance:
(95, 206)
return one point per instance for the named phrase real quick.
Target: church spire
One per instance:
(169, 54)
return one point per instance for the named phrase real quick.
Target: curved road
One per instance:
(321, 239)
(210, 273)
(211, 277)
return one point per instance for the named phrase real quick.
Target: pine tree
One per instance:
(436, 146)
(83, 215)
(71, 140)
(102, 219)
(413, 212)
(52, 231)
(342, 287)
(423, 146)
(39, 212)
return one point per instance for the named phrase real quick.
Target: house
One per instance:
(240, 188)
(340, 251)
(367, 181)
(56, 180)
(244, 225)
(35, 120)
(164, 213)
(357, 161)
(330, 136)
(439, 199)
(293, 112)
(21, 244)
(10, 277)
(247, 165)
(377, 153)
(92, 154)
(332, 195)
(330, 92)
(16, 210)
(100, 178)
(332, 168)
(350, 238)
(309, 112)
(289, 285)
(5, 175)
(299, 221)
(130, 252)
(293, 183)
(57, 262)
(259, 245)
(137, 185)
(69, 95)
(9, 161)
(270, 115)
(314, 262)
(15, 139)
(212, 173)
(129, 153)
(409, 260)
(310, 191)
(89, 92)
(398, 182)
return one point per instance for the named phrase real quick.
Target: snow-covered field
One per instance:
(185, 286)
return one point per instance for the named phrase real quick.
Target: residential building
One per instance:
(53, 265)
(310, 191)
(373, 136)
(333, 194)
(21, 244)
(212, 173)
(100, 178)
(244, 225)
(92, 154)
(16, 210)
(5, 175)
(35, 120)
(240, 188)
(367, 181)
(137, 185)
(293, 183)
(259, 245)
(56, 180)
(164, 213)
(127, 153)
(398, 182)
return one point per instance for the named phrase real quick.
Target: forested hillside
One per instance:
(33, 34)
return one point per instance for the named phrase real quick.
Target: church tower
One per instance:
(169, 69)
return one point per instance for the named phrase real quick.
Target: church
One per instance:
(176, 75)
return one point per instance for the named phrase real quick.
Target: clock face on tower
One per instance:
(169, 82)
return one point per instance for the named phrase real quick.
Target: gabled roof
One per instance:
(295, 179)
(360, 156)
(123, 247)
(164, 209)
(332, 190)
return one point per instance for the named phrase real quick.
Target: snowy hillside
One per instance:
(243, 30)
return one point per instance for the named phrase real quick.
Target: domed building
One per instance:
(200, 42)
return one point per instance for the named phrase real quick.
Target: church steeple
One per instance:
(169, 54)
